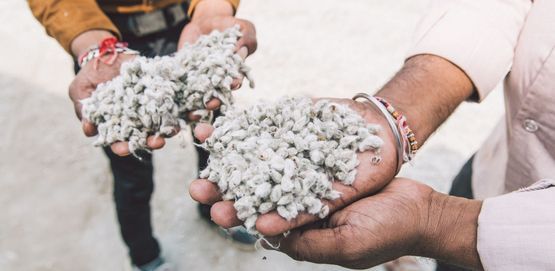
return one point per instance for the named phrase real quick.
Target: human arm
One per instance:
(65, 20)
(405, 218)
(79, 25)
(450, 62)
(209, 15)
(509, 232)
(516, 230)
(370, 178)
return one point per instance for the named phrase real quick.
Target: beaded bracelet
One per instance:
(107, 46)
(392, 124)
(410, 144)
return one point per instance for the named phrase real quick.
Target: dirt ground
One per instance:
(55, 188)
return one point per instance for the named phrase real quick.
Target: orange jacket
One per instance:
(66, 19)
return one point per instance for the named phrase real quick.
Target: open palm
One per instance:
(370, 178)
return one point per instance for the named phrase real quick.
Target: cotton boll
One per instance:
(278, 163)
(263, 190)
(265, 207)
(324, 212)
(250, 223)
(276, 193)
(287, 184)
(330, 161)
(276, 176)
(289, 168)
(285, 199)
(371, 142)
(313, 205)
(285, 213)
(204, 173)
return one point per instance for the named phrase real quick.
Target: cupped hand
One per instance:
(86, 81)
(370, 179)
(204, 25)
(369, 232)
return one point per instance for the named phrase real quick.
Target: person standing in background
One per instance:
(122, 29)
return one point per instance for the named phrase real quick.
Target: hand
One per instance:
(213, 15)
(405, 218)
(370, 179)
(86, 81)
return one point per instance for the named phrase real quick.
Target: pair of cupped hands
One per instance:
(375, 220)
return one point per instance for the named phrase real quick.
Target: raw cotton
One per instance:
(151, 96)
(285, 156)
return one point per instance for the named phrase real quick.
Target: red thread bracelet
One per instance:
(107, 46)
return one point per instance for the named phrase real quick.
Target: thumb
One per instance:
(243, 52)
(189, 35)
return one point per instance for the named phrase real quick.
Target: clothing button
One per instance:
(530, 125)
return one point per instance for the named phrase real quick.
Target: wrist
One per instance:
(375, 109)
(449, 230)
(88, 39)
(212, 8)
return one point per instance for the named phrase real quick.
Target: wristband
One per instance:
(108, 46)
(410, 143)
(392, 125)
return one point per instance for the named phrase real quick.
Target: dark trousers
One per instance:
(133, 178)
(461, 187)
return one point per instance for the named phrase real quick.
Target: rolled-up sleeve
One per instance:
(194, 3)
(64, 20)
(517, 231)
(477, 36)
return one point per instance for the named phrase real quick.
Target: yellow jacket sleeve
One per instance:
(66, 19)
(194, 3)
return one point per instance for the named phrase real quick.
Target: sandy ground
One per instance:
(55, 188)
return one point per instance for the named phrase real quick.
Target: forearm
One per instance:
(86, 40)
(427, 90)
(66, 20)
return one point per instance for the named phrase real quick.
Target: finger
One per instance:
(237, 82)
(188, 36)
(89, 129)
(213, 104)
(120, 148)
(243, 52)
(249, 37)
(193, 116)
(224, 214)
(272, 224)
(155, 142)
(315, 245)
(203, 131)
(204, 192)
